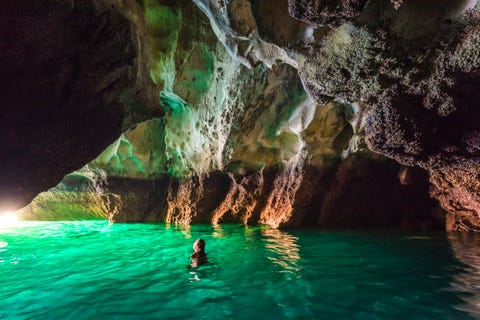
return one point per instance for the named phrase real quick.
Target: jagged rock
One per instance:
(416, 68)
(329, 133)
(93, 195)
(137, 154)
(250, 49)
(325, 12)
(456, 186)
(275, 111)
(276, 26)
(74, 75)
(427, 119)
(219, 114)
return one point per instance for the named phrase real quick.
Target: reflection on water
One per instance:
(183, 228)
(193, 276)
(285, 249)
(284, 253)
(466, 248)
(218, 231)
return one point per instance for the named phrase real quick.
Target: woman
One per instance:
(199, 257)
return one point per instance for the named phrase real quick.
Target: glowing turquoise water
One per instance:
(88, 270)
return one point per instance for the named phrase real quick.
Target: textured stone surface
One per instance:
(272, 105)
(325, 12)
(426, 117)
(457, 186)
(412, 64)
(137, 154)
(93, 195)
(416, 67)
(250, 49)
(241, 18)
(329, 133)
(74, 75)
(219, 114)
(276, 26)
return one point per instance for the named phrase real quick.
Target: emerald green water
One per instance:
(89, 270)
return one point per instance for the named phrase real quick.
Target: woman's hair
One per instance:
(201, 244)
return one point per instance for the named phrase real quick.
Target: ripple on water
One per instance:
(89, 270)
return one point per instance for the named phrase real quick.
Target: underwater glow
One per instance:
(8, 219)
(90, 270)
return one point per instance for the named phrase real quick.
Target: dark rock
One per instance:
(275, 25)
(292, 161)
(74, 75)
(241, 19)
(367, 192)
(215, 189)
(325, 12)
(309, 200)
(432, 124)
(139, 200)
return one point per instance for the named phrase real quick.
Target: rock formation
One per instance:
(276, 112)
(74, 76)
(257, 127)
(413, 64)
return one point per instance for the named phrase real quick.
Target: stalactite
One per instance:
(182, 202)
(241, 199)
(279, 206)
(112, 204)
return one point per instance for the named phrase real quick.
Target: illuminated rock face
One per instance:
(241, 140)
(273, 109)
(413, 64)
(74, 76)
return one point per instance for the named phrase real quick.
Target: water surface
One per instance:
(89, 270)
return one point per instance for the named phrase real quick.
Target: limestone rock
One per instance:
(325, 12)
(269, 116)
(329, 133)
(416, 68)
(431, 123)
(241, 18)
(276, 26)
(250, 49)
(456, 186)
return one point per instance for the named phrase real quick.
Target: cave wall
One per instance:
(74, 76)
(285, 112)
(414, 64)
(241, 139)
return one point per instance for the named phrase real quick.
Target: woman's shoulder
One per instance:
(198, 255)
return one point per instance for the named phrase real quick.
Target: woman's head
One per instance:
(199, 245)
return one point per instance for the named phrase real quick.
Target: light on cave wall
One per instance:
(8, 219)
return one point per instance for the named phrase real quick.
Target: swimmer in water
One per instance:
(199, 257)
